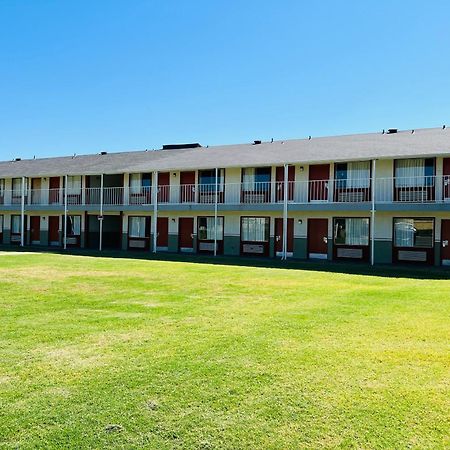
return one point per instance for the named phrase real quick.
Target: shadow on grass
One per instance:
(379, 270)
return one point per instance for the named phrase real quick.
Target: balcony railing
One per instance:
(433, 189)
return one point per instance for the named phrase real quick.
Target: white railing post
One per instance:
(100, 218)
(22, 214)
(65, 212)
(372, 228)
(155, 210)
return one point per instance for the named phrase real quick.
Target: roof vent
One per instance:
(392, 131)
(103, 153)
(256, 142)
(180, 146)
(18, 159)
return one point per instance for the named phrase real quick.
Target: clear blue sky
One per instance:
(84, 76)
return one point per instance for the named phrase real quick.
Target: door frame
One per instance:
(323, 256)
(445, 262)
(290, 251)
(185, 249)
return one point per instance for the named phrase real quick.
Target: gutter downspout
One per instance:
(372, 228)
(65, 213)
(155, 210)
(215, 215)
(100, 240)
(285, 211)
(22, 214)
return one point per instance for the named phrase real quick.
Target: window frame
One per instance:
(433, 233)
(351, 245)
(211, 239)
(267, 228)
(142, 218)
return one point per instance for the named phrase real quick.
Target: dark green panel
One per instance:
(82, 240)
(124, 241)
(330, 249)
(173, 242)
(44, 237)
(272, 247)
(6, 236)
(300, 248)
(383, 252)
(231, 245)
(437, 253)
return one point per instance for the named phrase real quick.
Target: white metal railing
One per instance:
(430, 189)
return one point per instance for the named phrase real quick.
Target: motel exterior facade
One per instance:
(375, 198)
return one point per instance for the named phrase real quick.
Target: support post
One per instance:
(372, 227)
(215, 213)
(65, 213)
(285, 210)
(155, 210)
(100, 218)
(22, 214)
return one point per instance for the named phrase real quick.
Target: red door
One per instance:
(162, 240)
(279, 174)
(318, 238)
(163, 187)
(187, 181)
(186, 234)
(54, 190)
(446, 188)
(445, 242)
(279, 236)
(319, 175)
(35, 229)
(53, 230)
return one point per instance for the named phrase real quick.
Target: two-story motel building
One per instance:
(380, 198)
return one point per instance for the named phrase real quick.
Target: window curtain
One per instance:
(2, 187)
(209, 232)
(254, 229)
(358, 174)
(410, 173)
(137, 227)
(135, 183)
(1, 224)
(74, 185)
(248, 179)
(404, 232)
(357, 231)
(74, 225)
(15, 224)
(17, 186)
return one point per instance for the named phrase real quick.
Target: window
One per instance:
(17, 187)
(256, 179)
(15, 224)
(409, 232)
(1, 224)
(353, 174)
(139, 182)
(351, 231)
(206, 228)
(418, 172)
(255, 229)
(73, 225)
(207, 179)
(74, 184)
(2, 187)
(137, 227)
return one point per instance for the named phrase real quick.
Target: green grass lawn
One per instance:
(123, 353)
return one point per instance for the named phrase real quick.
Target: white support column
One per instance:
(215, 213)
(22, 214)
(155, 210)
(65, 213)
(372, 224)
(100, 218)
(285, 210)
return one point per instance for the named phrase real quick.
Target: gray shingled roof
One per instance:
(405, 144)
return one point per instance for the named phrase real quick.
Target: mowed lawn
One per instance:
(123, 353)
